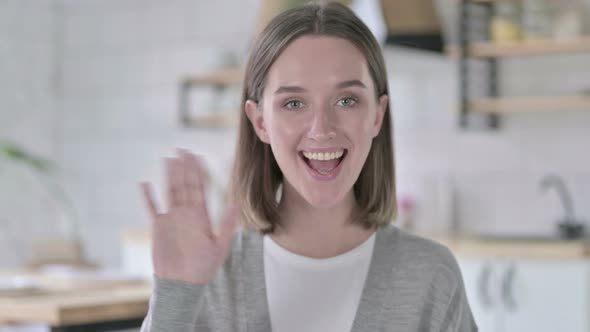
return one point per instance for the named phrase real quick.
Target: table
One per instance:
(70, 305)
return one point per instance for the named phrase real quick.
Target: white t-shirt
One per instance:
(308, 294)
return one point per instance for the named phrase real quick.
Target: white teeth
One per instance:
(323, 156)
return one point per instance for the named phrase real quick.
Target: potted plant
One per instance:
(65, 248)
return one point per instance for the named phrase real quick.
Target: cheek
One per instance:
(286, 129)
(360, 131)
(360, 124)
(279, 125)
(283, 134)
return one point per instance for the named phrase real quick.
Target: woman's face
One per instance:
(319, 115)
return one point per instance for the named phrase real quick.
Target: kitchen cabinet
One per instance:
(478, 279)
(523, 294)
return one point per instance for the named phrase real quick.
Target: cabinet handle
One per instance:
(508, 288)
(483, 284)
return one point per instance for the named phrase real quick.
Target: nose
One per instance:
(321, 126)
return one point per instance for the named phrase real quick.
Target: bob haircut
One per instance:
(256, 177)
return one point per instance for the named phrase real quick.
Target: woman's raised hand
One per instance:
(184, 246)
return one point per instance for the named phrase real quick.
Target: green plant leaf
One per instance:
(18, 154)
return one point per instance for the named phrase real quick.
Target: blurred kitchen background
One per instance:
(491, 110)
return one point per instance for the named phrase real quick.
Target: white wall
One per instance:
(121, 64)
(28, 76)
(496, 172)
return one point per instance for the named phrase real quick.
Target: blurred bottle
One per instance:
(407, 213)
(537, 19)
(447, 204)
(505, 25)
(568, 23)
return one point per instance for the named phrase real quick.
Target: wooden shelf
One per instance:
(526, 48)
(485, 50)
(491, 52)
(530, 104)
(223, 77)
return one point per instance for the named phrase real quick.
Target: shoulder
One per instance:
(246, 249)
(241, 263)
(419, 256)
(416, 248)
(425, 276)
(246, 242)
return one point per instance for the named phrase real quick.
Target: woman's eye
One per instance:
(347, 102)
(293, 104)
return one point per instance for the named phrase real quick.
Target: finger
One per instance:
(171, 194)
(183, 160)
(193, 181)
(149, 199)
(228, 227)
(201, 189)
(176, 190)
(196, 191)
(202, 183)
(204, 172)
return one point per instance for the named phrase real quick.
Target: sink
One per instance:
(566, 231)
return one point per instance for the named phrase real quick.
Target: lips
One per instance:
(324, 169)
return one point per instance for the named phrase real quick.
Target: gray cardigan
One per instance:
(413, 284)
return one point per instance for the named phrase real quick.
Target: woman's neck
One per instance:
(318, 232)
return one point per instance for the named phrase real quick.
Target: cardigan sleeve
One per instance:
(459, 317)
(174, 306)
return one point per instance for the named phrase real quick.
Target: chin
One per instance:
(323, 200)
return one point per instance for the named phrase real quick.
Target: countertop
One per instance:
(473, 246)
(468, 245)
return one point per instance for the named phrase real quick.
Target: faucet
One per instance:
(569, 227)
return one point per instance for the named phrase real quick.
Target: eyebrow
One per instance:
(341, 85)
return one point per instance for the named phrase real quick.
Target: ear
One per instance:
(257, 120)
(381, 109)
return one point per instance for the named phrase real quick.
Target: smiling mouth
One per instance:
(323, 167)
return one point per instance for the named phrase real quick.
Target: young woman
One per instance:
(314, 185)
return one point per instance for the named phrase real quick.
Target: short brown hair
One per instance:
(256, 174)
